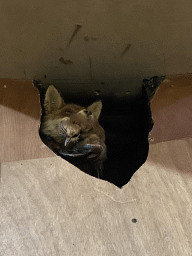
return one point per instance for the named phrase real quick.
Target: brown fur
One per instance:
(73, 132)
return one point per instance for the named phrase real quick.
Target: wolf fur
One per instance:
(73, 132)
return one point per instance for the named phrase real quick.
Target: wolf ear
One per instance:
(95, 109)
(53, 100)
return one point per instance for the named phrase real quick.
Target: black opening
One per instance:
(127, 122)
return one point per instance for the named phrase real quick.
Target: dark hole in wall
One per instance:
(125, 117)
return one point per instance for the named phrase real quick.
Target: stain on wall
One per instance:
(125, 50)
(77, 27)
(67, 62)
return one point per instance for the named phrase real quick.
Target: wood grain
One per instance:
(172, 109)
(173, 122)
(21, 96)
(49, 207)
(20, 115)
(172, 90)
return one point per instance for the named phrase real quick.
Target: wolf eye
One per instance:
(76, 135)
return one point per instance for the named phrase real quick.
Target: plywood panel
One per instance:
(21, 96)
(20, 115)
(49, 207)
(171, 91)
(35, 35)
(172, 109)
(173, 122)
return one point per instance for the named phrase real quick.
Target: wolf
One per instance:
(73, 132)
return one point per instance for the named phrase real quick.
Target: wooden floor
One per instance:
(49, 207)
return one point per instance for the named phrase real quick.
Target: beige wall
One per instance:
(34, 36)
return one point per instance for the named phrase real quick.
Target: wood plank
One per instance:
(172, 90)
(20, 115)
(172, 109)
(173, 122)
(49, 207)
(20, 95)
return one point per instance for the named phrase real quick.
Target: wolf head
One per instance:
(66, 126)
